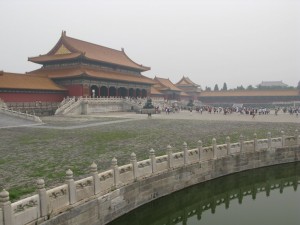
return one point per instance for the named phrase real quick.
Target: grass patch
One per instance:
(32, 153)
(15, 193)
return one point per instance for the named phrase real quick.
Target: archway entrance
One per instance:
(122, 92)
(103, 91)
(144, 93)
(94, 91)
(112, 91)
(131, 92)
(138, 93)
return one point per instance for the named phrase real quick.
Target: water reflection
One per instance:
(189, 205)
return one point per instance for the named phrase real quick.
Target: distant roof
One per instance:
(79, 71)
(27, 82)
(185, 81)
(272, 84)
(69, 48)
(154, 91)
(166, 84)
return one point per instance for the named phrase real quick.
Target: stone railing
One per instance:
(71, 104)
(20, 115)
(102, 197)
(2, 104)
(64, 105)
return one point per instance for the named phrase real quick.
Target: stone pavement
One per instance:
(272, 118)
(81, 121)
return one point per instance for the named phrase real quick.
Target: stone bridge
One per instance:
(103, 197)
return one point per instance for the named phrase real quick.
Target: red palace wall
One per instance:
(32, 97)
(74, 90)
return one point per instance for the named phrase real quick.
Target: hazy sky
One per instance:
(240, 42)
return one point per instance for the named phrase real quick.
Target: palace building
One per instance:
(165, 88)
(76, 68)
(26, 88)
(87, 69)
(189, 87)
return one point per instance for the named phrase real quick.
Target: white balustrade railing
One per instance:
(61, 198)
(20, 115)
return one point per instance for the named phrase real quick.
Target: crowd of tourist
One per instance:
(253, 111)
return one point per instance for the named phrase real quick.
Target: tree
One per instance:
(216, 88)
(298, 87)
(240, 87)
(250, 87)
(224, 87)
(207, 88)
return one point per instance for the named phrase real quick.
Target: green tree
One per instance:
(250, 87)
(207, 88)
(216, 88)
(224, 87)
(240, 87)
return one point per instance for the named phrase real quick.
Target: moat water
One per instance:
(267, 196)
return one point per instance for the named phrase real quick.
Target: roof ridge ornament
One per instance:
(63, 33)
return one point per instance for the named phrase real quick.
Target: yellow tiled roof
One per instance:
(166, 84)
(85, 71)
(27, 82)
(89, 51)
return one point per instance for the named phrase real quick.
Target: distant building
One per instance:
(272, 84)
(167, 89)
(250, 97)
(189, 87)
(185, 89)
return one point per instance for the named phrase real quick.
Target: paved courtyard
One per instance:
(81, 121)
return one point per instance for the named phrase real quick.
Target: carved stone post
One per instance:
(282, 138)
(170, 157)
(228, 145)
(200, 149)
(269, 140)
(185, 154)
(134, 165)
(297, 137)
(214, 146)
(71, 186)
(153, 160)
(255, 142)
(96, 179)
(84, 107)
(115, 168)
(241, 143)
(5, 205)
(42, 197)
